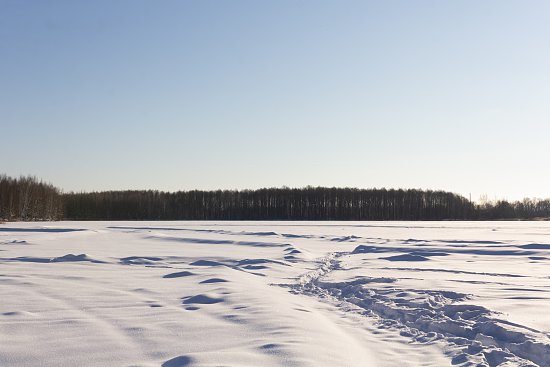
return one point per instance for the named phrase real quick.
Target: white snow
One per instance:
(275, 294)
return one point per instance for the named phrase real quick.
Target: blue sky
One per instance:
(177, 95)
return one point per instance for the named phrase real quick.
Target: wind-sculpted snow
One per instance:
(178, 274)
(60, 259)
(39, 230)
(475, 334)
(301, 294)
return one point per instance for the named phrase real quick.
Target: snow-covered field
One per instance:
(275, 294)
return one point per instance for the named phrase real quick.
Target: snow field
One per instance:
(274, 294)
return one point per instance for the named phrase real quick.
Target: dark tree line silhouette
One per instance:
(525, 209)
(27, 198)
(310, 203)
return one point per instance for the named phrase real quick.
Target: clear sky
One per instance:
(177, 95)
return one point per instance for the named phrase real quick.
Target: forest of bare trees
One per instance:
(311, 203)
(27, 198)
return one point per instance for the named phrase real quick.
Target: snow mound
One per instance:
(180, 361)
(178, 274)
(207, 263)
(203, 299)
(214, 280)
(74, 258)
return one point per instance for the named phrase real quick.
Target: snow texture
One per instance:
(275, 294)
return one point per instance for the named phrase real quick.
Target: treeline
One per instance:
(525, 209)
(27, 199)
(311, 203)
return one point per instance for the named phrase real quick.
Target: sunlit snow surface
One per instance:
(275, 294)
